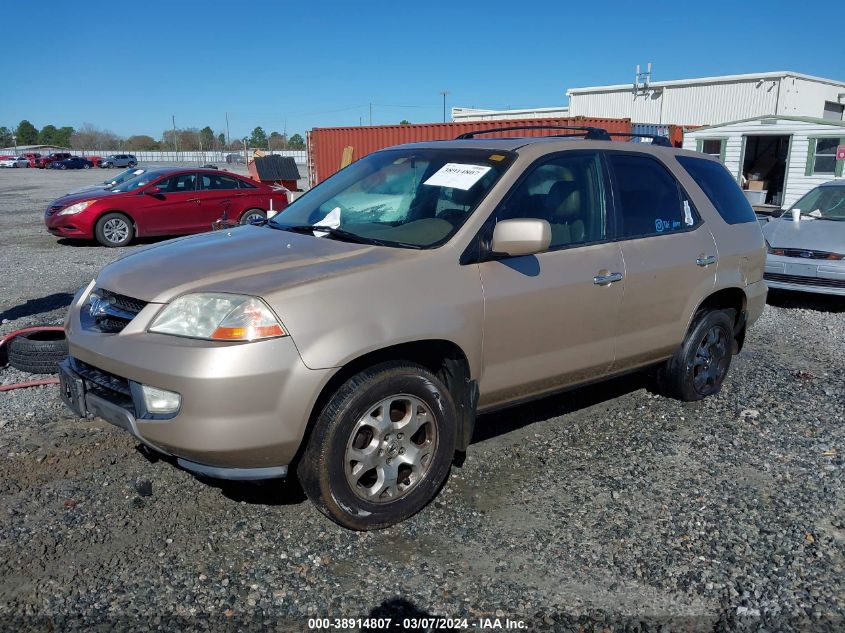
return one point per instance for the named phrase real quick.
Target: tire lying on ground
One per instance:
(38, 352)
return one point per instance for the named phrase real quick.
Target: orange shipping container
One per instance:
(326, 145)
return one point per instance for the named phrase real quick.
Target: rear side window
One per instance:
(720, 187)
(214, 182)
(649, 198)
(243, 184)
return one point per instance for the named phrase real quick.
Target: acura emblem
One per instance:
(807, 254)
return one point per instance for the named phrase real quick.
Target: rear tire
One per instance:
(253, 215)
(38, 352)
(359, 467)
(699, 367)
(114, 230)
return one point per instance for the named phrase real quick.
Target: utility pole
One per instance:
(175, 144)
(371, 114)
(444, 93)
(228, 140)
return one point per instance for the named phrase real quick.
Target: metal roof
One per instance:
(776, 117)
(708, 80)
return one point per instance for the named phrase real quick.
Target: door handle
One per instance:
(606, 280)
(706, 261)
(192, 200)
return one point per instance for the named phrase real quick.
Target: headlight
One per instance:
(79, 207)
(218, 317)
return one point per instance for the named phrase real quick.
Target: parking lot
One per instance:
(601, 508)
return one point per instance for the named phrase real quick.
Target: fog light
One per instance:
(160, 400)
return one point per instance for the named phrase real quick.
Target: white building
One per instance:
(782, 157)
(703, 101)
(712, 100)
(461, 115)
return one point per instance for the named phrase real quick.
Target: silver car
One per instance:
(806, 245)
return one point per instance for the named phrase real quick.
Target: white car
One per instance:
(14, 161)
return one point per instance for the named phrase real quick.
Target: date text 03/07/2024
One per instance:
(418, 623)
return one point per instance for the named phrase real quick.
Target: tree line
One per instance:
(90, 137)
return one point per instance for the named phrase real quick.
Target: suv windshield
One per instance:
(823, 202)
(413, 198)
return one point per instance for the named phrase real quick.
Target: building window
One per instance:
(825, 156)
(713, 146)
(833, 111)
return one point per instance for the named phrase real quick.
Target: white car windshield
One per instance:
(823, 202)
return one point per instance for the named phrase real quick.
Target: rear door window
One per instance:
(720, 188)
(649, 201)
(214, 182)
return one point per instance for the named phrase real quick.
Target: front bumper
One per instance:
(244, 406)
(805, 275)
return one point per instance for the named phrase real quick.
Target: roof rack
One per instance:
(592, 133)
(656, 139)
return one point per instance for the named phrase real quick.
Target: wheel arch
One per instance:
(443, 358)
(732, 298)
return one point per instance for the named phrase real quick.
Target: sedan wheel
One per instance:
(253, 215)
(114, 229)
(63, 167)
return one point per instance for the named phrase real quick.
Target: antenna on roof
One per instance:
(642, 80)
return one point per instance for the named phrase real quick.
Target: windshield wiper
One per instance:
(340, 234)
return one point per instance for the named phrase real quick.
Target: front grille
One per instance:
(805, 281)
(112, 312)
(100, 378)
(108, 386)
(804, 253)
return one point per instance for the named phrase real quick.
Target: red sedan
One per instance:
(173, 201)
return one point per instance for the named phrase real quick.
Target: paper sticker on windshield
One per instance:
(457, 175)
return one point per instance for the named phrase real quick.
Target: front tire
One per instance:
(382, 447)
(114, 230)
(86, 166)
(62, 166)
(700, 366)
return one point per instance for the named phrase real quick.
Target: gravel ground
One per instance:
(607, 508)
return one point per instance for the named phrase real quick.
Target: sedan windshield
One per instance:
(124, 176)
(138, 181)
(412, 198)
(823, 202)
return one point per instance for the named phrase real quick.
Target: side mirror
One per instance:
(153, 191)
(521, 236)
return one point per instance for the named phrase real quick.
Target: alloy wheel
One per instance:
(116, 230)
(391, 449)
(711, 361)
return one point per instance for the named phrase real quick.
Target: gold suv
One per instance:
(355, 337)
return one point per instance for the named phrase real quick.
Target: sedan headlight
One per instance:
(218, 317)
(79, 207)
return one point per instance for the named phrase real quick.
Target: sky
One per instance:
(292, 66)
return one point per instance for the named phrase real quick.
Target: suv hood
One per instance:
(807, 234)
(250, 260)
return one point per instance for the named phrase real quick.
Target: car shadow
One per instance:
(138, 241)
(501, 422)
(268, 492)
(805, 301)
(37, 306)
